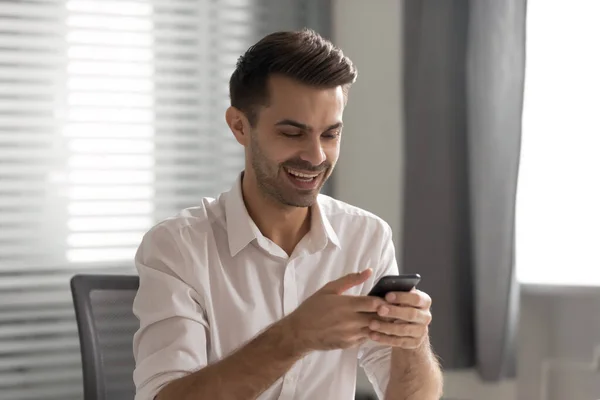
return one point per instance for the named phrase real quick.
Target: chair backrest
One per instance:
(106, 325)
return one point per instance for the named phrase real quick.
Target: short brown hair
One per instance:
(301, 55)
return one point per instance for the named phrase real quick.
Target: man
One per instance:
(261, 293)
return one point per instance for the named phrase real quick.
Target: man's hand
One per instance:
(406, 320)
(330, 320)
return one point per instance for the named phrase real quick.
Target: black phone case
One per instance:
(394, 283)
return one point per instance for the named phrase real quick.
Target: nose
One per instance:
(313, 152)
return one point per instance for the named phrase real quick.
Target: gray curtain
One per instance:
(463, 83)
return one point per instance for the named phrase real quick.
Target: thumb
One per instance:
(346, 282)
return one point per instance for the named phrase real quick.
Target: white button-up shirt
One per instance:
(210, 281)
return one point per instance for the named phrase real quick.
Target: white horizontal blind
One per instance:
(109, 128)
(111, 118)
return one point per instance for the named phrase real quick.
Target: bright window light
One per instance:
(110, 7)
(558, 198)
(86, 177)
(111, 146)
(98, 224)
(110, 68)
(120, 192)
(100, 99)
(111, 161)
(109, 128)
(110, 38)
(110, 84)
(105, 239)
(109, 22)
(89, 208)
(110, 53)
(91, 114)
(107, 131)
(101, 255)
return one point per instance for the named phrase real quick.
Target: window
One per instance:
(558, 200)
(111, 118)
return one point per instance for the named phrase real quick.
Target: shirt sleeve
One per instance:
(373, 357)
(171, 340)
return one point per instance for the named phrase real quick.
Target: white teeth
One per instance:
(301, 175)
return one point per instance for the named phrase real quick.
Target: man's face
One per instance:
(295, 142)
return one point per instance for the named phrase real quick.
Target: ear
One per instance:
(239, 125)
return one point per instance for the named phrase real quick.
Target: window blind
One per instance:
(111, 118)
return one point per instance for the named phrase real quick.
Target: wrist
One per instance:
(423, 352)
(294, 341)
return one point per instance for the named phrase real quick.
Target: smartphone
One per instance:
(395, 283)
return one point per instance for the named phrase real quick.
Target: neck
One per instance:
(284, 225)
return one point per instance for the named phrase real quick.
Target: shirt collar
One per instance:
(321, 229)
(241, 229)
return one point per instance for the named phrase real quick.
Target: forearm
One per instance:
(243, 375)
(414, 375)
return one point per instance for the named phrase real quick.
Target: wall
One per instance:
(554, 325)
(559, 343)
(369, 33)
(369, 172)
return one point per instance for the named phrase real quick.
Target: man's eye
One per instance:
(291, 134)
(332, 135)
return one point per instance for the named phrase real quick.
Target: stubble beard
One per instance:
(270, 182)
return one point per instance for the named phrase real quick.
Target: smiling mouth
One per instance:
(302, 179)
(302, 176)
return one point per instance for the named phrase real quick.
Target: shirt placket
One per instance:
(290, 303)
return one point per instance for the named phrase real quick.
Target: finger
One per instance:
(415, 298)
(366, 304)
(357, 340)
(399, 330)
(346, 282)
(358, 322)
(406, 314)
(407, 343)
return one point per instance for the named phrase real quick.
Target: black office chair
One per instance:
(106, 325)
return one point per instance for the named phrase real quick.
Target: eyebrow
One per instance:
(304, 127)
